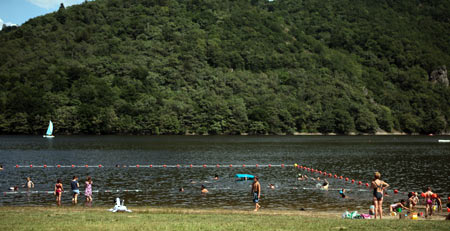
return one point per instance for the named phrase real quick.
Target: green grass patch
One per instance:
(80, 218)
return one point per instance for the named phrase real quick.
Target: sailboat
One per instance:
(49, 131)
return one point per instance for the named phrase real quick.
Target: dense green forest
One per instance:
(228, 67)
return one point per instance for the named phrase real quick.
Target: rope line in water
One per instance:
(93, 191)
(153, 166)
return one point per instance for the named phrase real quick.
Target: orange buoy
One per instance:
(243, 165)
(359, 182)
(231, 165)
(73, 166)
(270, 165)
(346, 179)
(256, 165)
(137, 166)
(151, 166)
(59, 166)
(86, 166)
(434, 195)
(353, 181)
(448, 198)
(367, 184)
(164, 166)
(448, 210)
(99, 165)
(190, 165)
(204, 165)
(423, 195)
(217, 165)
(282, 165)
(320, 172)
(341, 177)
(31, 165)
(395, 191)
(335, 176)
(45, 165)
(178, 165)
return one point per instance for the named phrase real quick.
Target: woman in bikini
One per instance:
(58, 191)
(378, 190)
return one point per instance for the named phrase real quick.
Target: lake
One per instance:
(407, 163)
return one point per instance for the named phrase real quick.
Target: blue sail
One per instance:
(50, 129)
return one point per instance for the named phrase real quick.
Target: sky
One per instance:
(17, 12)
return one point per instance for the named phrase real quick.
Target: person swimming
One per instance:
(342, 193)
(216, 177)
(325, 184)
(204, 190)
(271, 186)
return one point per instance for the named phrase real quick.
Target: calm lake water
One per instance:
(406, 163)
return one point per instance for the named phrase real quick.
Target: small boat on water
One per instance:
(49, 133)
(444, 141)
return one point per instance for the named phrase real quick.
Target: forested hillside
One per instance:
(228, 67)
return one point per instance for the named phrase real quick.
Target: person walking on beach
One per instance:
(88, 189)
(75, 189)
(29, 185)
(58, 191)
(378, 191)
(256, 191)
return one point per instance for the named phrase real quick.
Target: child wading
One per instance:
(88, 190)
(58, 191)
(256, 191)
(75, 189)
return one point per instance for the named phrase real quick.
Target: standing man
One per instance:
(256, 191)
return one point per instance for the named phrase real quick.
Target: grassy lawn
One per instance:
(142, 218)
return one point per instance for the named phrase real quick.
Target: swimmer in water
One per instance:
(342, 193)
(1, 167)
(325, 184)
(181, 189)
(271, 186)
(204, 190)
(29, 185)
(216, 177)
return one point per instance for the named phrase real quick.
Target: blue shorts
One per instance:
(255, 197)
(76, 191)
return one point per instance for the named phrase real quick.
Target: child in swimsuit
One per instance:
(396, 206)
(88, 190)
(29, 185)
(75, 189)
(58, 191)
(428, 202)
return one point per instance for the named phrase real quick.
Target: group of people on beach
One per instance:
(432, 200)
